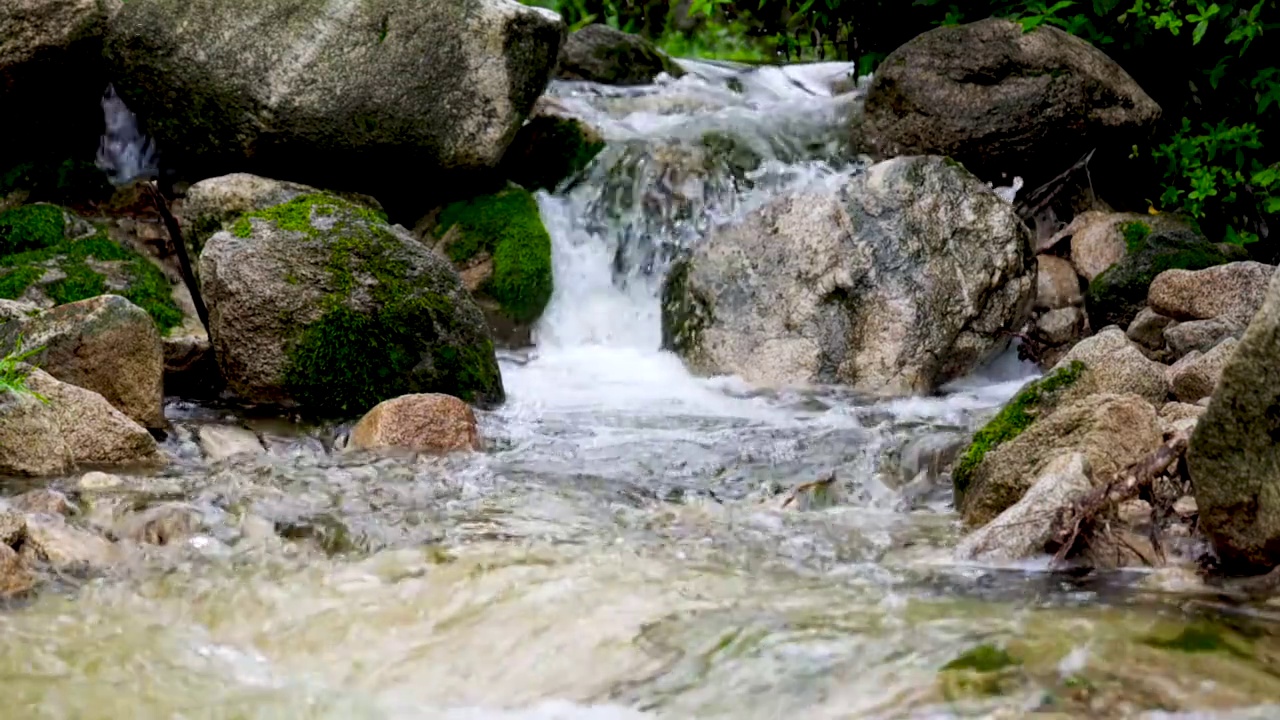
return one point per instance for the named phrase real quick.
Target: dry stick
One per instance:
(1125, 485)
(184, 260)
(1051, 189)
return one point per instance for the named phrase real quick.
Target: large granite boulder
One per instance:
(333, 94)
(1016, 103)
(906, 278)
(319, 303)
(1234, 455)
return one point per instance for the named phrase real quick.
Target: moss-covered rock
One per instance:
(318, 302)
(550, 147)
(50, 257)
(1117, 294)
(504, 251)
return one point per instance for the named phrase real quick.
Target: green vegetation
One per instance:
(1202, 638)
(508, 227)
(14, 373)
(350, 360)
(33, 241)
(1135, 235)
(983, 658)
(1015, 417)
(1205, 63)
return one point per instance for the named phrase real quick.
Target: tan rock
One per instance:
(1197, 375)
(50, 539)
(1098, 242)
(16, 577)
(1022, 530)
(221, 442)
(1061, 326)
(1117, 366)
(163, 524)
(1233, 291)
(432, 423)
(13, 525)
(49, 502)
(1057, 285)
(1148, 329)
(1202, 335)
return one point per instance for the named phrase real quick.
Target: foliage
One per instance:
(14, 373)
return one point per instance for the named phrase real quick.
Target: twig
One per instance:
(1051, 189)
(184, 260)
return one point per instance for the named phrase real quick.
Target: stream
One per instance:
(624, 548)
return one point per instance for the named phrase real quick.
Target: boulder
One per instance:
(426, 423)
(215, 203)
(904, 279)
(1234, 454)
(551, 146)
(105, 344)
(13, 524)
(1148, 329)
(334, 94)
(602, 54)
(51, 540)
(1057, 285)
(222, 442)
(49, 257)
(1200, 335)
(1197, 375)
(16, 577)
(162, 524)
(1024, 528)
(1101, 239)
(319, 303)
(1018, 103)
(503, 253)
(1111, 431)
(1231, 292)
(1117, 294)
(1061, 326)
(190, 370)
(43, 500)
(59, 426)
(51, 68)
(1117, 366)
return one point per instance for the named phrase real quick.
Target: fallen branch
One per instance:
(1041, 197)
(180, 247)
(1076, 522)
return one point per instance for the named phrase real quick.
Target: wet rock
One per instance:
(1057, 285)
(430, 423)
(1234, 455)
(13, 524)
(1197, 375)
(1231, 292)
(915, 292)
(98, 481)
(52, 69)
(1200, 335)
(16, 577)
(1148, 329)
(334, 94)
(1020, 103)
(320, 303)
(1117, 294)
(50, 539)
(222, 442)
(1135, 513)
(163, 524)
(1061, 326)
(1022, 530)
(1115, 365)
(551, 146)
(599, 53)
(1112, 431)
(105, 344)
(75, 426)
(48, 502)
(190, 370)
(1186, 506)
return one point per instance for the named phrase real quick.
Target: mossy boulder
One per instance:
(1117, 294)
(319, 303)
(50, 257)
(602, 54)
(552, 146)
(503, 250)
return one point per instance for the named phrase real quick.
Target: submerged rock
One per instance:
(334, 94)
(1234, 455)
(223, 442)
(1021, 103)
(428, 423)
(50, 539)
(105, 344)
(1022, 530)
(905, 279)
(59, 426)
(319, 303)
(602, 54)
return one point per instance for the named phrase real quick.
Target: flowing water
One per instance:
(624, 548)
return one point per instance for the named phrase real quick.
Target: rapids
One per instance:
(621, 550)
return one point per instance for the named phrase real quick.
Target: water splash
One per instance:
(124, 153)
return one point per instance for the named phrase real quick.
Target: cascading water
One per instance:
(621, 550)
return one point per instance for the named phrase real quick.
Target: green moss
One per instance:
(14, 282)
(1135, 235)
(1200, 638)
(1015, 417)
(31, 227)
(983, 658)
(297, 215)
(506, 225)
(1116, 295)
(80, 283)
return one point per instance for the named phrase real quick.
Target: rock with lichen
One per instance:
(424, 423)
(319, 303)
(503, 252)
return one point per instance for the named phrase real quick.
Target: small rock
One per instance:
(13, 526)
(1177, 417)
(1118, 366)
(221, 442)
(1148, 329)
(1135, 513)
(49, 502)
(602, 54)
(432, 423)
(1186, 506)
(50, 539)
(16, 577)
(163, 524)
(1022, 530)
(1057, 285)
(1201, 335)
(1233, 292)
(99, 481)
(1061, 326)
(1196, 376)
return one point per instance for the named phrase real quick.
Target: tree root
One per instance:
(1091, 516)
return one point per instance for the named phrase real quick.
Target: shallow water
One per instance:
(622, 549)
